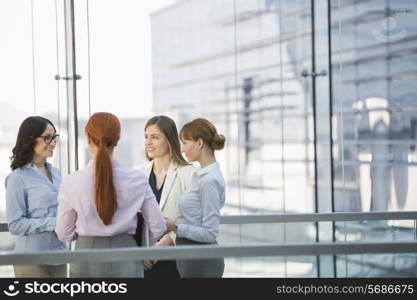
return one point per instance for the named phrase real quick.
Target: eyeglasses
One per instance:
(49, 138)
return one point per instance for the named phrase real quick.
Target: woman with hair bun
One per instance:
(98, 205)
(199, 207)
(31, 196)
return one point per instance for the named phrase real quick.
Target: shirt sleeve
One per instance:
(186, 178)
(152, 216)
(18, 221)
(189, 176)
(66, 217)
(211, 203)
(172, 235)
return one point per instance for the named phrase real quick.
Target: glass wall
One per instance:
(374, 63)
(114, 61)
(33, 51)
(240, 64)
(298, 140)
(30, 58)
(277, 266)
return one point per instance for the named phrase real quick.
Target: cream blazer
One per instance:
(177, 181)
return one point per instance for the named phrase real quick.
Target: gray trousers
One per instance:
(40, 271)
(107, 269)
(199, 268)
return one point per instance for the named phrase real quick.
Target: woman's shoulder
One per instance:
(146, 168)
(130, 179)
(186, 170)
(14, 177)
(78, 175)
(213, 178)
(15, 173)
(54, 169)
(132, 173)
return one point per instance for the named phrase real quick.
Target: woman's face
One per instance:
(45, 144)
(191, 149)
(156, 144)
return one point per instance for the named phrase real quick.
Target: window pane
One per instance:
(374, 118)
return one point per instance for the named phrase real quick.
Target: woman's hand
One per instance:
(171, 226)
(148, 264)
(165, 241)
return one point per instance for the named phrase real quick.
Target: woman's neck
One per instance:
(161, 164)
(207, 159)
(39, 161)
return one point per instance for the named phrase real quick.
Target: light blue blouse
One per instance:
(200, 206)
(31, 207)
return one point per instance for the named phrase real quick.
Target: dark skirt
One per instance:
(163, 269)
(199, 268)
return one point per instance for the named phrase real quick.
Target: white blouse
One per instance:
(77, 213)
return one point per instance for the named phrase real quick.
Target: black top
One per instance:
(152, 182)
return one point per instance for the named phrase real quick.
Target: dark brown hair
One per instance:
(30, 129)
(103, 129)
(203, 129)
(167, 126)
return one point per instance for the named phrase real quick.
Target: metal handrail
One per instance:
(3, 227)
(307, 217)
(145, 235)
(198, 252)
(318, 217)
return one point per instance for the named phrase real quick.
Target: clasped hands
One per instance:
(163, 242)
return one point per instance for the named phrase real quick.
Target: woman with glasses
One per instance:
(199, 207)
(31, 196)
(98, 205)
(169, 176)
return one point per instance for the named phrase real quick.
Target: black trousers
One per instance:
(163, 269)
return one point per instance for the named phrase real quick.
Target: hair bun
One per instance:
(218, 142)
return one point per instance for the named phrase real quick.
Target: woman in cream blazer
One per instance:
(169, 176)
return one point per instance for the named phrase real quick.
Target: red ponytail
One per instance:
(103, 129)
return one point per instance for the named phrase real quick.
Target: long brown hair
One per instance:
(203, 129)
(103, 129)
(167, 126)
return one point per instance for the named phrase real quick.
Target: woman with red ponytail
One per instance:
(98, 205)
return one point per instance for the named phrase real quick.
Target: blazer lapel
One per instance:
(169, 181)
(148, 169)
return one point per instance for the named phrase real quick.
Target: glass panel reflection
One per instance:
(279, 266)
(374, 116)
(376, 265)
(239, 63)
(374, 57)
(30, 59)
